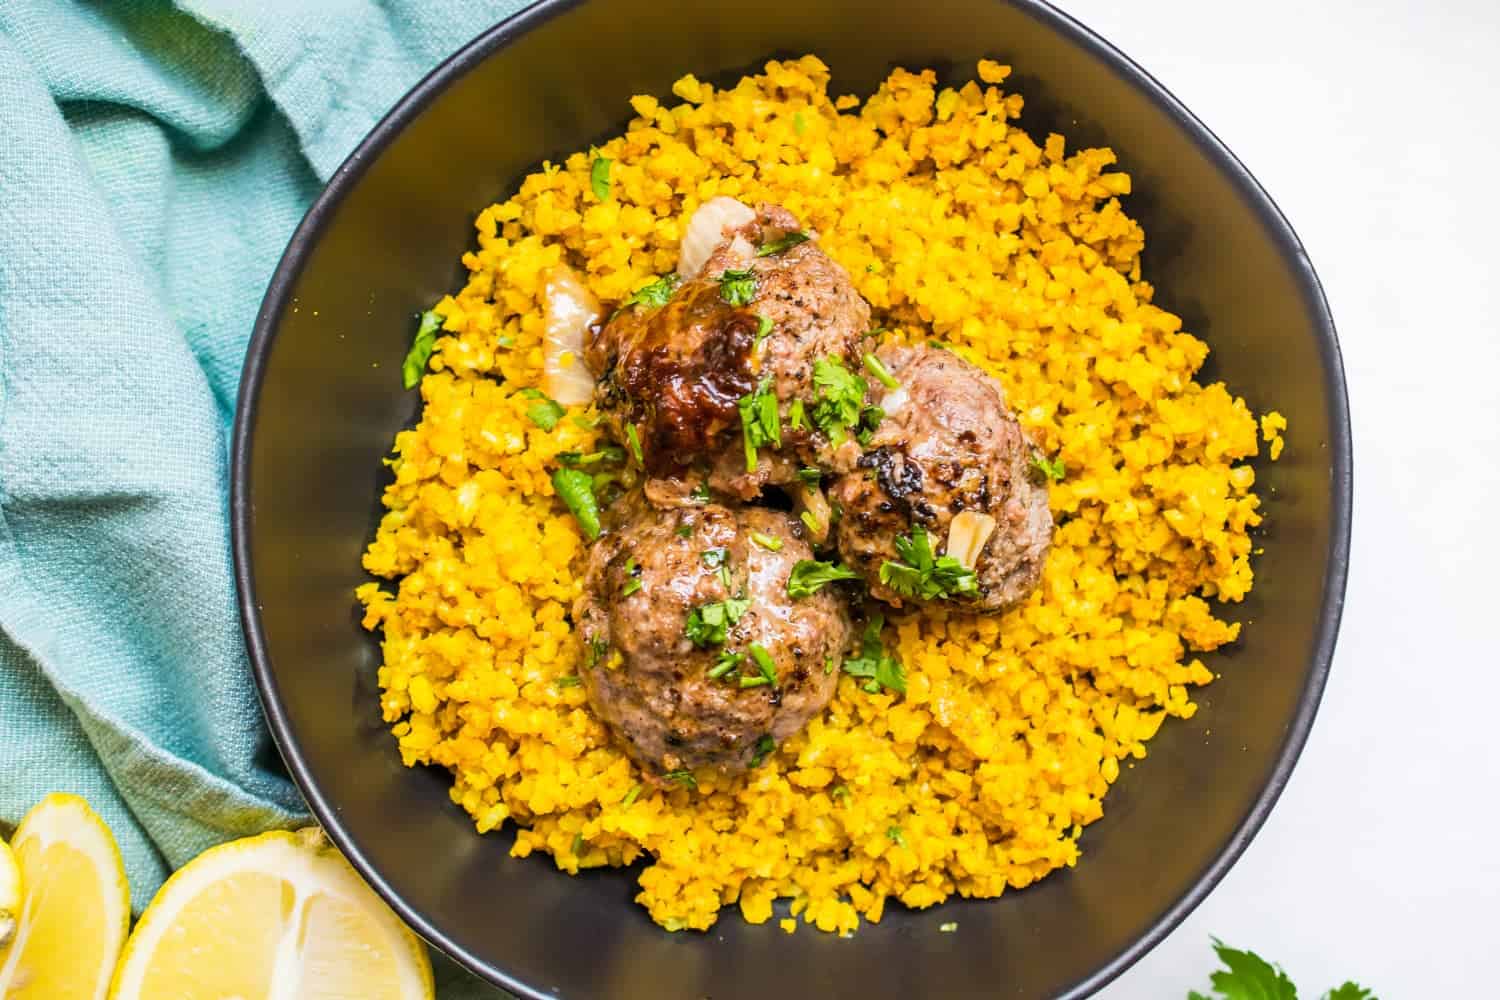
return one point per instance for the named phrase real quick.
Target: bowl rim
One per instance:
(497, 37)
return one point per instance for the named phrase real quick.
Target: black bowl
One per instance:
(321, 400)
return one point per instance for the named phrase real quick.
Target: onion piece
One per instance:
(967, 534)
(812, 507)
(570, 309)
(707, 229)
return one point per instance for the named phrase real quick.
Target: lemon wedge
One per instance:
(10, 893)
(75, 910)
(280, 915)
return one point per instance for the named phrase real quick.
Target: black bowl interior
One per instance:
(322, 399)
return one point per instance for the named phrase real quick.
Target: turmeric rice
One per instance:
(957, 227)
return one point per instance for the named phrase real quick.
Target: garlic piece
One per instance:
(570, 309)
(707, 230)
(966, 536)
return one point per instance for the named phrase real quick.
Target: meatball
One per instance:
(697, 655)
(947, 446)
(674, 374)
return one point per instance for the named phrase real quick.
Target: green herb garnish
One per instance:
(576, 488)
(895, 836)
(920, 575)
(763, 661)
(599, 176)
(702, 493)
(631, 586)
(948, 928)
(709, 625)
(631, 796)
(421, 348)
(1052, 469)
(763, 330)
(572, 680)
(785, 243)
(1247, 976)
(737, 287)
(810, 476)
(840, 792)
(578, 845)
(796, 416)
(880, 669)
(726, 662)
(869, 420)
(714, 558)
(760, 421)
(810, 576)
(684, 531)
(753, 680)
(683, 778)
(799, 123)
(653, 294)
(881, 372)
(766, 541)
(577, 460)
(764, 747)
(597, 648)
(840, 398)
(546, 412)
(810, 523)
(633, 439)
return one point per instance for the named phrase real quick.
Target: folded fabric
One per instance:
(156, 157)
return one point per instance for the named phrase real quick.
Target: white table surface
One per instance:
(1374, 126)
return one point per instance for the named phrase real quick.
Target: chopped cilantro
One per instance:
(578, 845)
(631, 796)
(869, 420)
(631, 586)
(753, 680)
(948, 928)
(702, 493)
(810, 576)
(785, 243)
(840, 792)
(881, 372)
(633, 439)
(653, 294)
(684, 778)
(763, 661)
(796, 416)
(920, 575)
(766, 541)
(810, 523)
(763, 330)
(709, 625)
(1247, 976)
(880, 669)
(737, 287)
(599, 176)
(546, 412)
(714, 558)
(840, 398)
(726, 662)
(799, 123)
(577, 460)
(684, 531)
(761, 422)
(597, 648)
(572, 680)
(764, 747)
(1052, 469)
(576, 488)
(810, 476)
(421, 348)
(895, 836)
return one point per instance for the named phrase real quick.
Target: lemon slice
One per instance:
(10, 893)
(277, 916)
(76, 908)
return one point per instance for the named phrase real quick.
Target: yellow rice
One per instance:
(955, 225)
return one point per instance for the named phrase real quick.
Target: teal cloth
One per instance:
(154, 160)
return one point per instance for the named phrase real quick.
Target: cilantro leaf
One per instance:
(653, 294)
(809, 576)
(737, 287)
(840, 398)
(763, 661)
(785, 243)
(1247, 976)
(576, 488)
(760, 420)
(599, 176)
(1052, 469)
(421, 349)
(1349, 991)
(764, 747)
(874, 663)
(920, 575)
(546, 412)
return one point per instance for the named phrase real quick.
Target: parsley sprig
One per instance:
(880, 668)
(1247, 976)
(840, 398)
(921, 575)
(810, 576)
(1052, 469)
(653, 294)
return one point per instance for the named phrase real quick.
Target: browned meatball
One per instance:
(676, 373)
(679, 610)
(948, 444)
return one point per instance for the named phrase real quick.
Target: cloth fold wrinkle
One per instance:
(158, 157)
